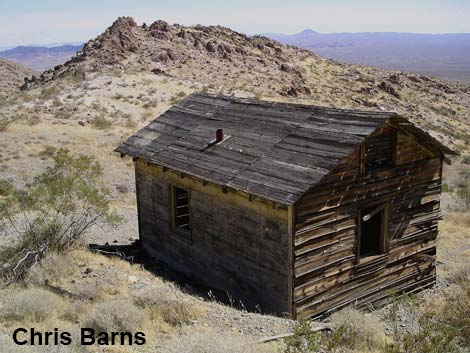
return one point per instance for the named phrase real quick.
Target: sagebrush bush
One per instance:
(101, 123)
(160, 301)
(115, 315)
(30, 305)
(353, 329)
(5, 187)
(304, 339)
(53, 213)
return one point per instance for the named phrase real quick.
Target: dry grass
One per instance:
(111, 301)
(356, 330)
(171, 305)
(212, 342)
(29, 305)
(454, 246)
(119, 315)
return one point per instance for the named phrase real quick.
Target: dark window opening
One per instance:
(181, 208)
(378, 152)
(371, 231)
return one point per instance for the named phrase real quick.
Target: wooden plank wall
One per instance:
(327, 275)
(237, 245)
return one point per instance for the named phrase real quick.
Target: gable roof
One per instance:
(273, 150)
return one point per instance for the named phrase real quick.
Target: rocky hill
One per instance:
(12, 76)
(219, 58)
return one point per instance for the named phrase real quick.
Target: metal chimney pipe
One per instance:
(219, 135)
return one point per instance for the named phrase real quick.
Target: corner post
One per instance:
(291, 257)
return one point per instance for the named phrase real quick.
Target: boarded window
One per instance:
(373, 231)
(181, 208)
(378, 152)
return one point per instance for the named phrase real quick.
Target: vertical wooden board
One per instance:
(237, 245)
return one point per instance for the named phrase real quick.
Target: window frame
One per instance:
(384, 233)
(362, 152)
(182, 232)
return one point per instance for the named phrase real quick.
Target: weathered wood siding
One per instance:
(236, 245)
(327, 274)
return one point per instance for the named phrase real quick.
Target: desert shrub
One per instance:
(304, 339)
(48, 92)
(56, 102)
(6, 187)
(151, 104)
(62, 114)
(167, 304)
(75, 310)
(53, 213)
(431, 336)
(177, 97)
(466, 159)
(177, 312)
(34, 120)
(29, 304)
(456, 313)
(101, 123)
(460, 273)
(435, 329)
(47, 151)
(117, 315)
(4, 124)
(355, 330)
(53, 268)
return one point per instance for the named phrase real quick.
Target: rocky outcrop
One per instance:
(388, 88)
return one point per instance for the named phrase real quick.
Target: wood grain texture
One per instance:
(236, 245)
(328, 274)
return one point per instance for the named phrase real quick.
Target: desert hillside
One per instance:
(12, 76)
(126, 77)
(224, 60)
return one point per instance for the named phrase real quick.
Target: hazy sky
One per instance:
(52, 21)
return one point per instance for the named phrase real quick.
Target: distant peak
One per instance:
(307, 32)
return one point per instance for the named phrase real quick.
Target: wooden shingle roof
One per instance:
(273, 150)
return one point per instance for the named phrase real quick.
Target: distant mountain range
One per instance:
(40, 58)
(445, 56)
(442, 55)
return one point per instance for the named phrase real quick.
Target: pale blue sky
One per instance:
(51, 21)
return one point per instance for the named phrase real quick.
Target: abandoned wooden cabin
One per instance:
(290, 207)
